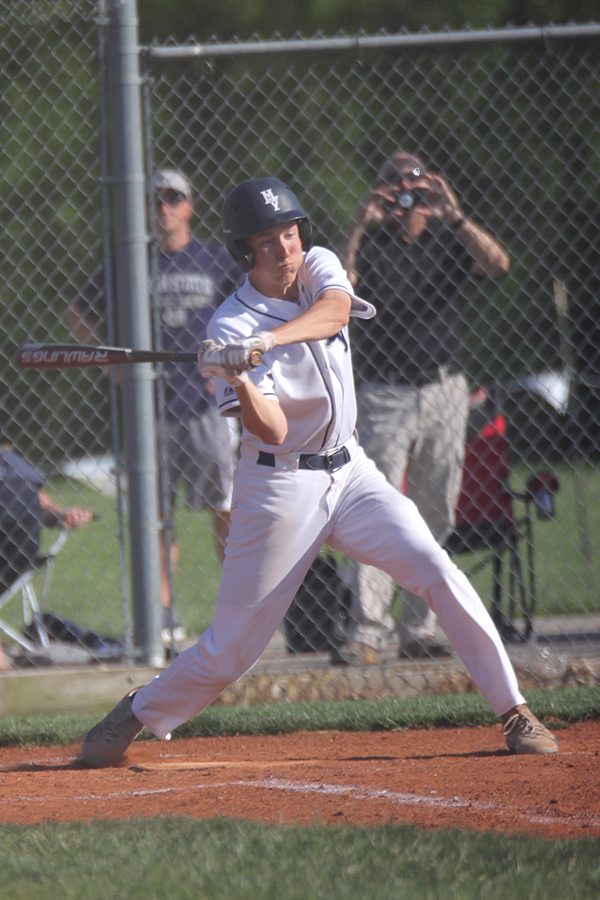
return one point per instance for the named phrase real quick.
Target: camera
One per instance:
(406, 200)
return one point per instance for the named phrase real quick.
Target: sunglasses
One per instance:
(411, 175)
(169, 198)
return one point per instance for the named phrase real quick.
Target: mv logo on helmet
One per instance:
(270, 198)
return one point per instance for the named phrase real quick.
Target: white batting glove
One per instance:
(235, 379)
(228, 361)
(260, 340)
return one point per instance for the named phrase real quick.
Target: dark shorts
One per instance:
(201, 454)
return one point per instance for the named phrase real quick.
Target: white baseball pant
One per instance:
(281, 519)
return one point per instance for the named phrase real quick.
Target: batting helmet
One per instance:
(255, 205)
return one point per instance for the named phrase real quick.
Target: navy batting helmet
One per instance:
(255, 205)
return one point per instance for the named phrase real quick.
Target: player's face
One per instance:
(173, 214)
(277, 257)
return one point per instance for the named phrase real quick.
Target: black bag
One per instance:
(316, 618)
(58, 629)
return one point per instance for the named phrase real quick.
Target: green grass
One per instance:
(223, 859)
(87, 583)
(429, 711)
(220, 858)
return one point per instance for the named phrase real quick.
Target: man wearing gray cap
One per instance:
(191, 278)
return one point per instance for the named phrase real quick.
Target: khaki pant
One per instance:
(416, 437)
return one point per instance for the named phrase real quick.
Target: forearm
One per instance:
(260, 415)
(489, 257)
(350, 251)
(82, 327)
(52, 514)
(55, 516)
(323, 319)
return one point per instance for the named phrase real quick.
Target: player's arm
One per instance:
(82, 325)
(490, 259)
(261, 415)
(325, 318)
(70, 517)
(85, 312)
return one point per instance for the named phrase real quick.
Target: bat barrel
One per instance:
(78, 356)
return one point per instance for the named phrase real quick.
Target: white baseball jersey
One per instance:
(313, 381)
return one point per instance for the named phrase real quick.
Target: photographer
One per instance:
(411, 250)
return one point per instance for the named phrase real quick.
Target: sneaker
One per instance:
(523, 733)
(172, 629)
(355, 653)
(107, 742)
(423, 651)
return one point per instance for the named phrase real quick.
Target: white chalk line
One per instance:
(356, 792)
(405, 799)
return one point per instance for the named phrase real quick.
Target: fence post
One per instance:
(132, 292)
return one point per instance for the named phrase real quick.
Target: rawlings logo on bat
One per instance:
(63, 357)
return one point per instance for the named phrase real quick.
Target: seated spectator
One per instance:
(25, 507)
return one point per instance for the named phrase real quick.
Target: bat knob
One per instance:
(255, 358)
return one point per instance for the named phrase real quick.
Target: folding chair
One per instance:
(32, 607)
(493, 518)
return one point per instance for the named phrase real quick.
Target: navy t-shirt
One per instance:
(20, 515)
(190, 285)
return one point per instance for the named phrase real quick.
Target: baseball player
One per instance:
(302, 481)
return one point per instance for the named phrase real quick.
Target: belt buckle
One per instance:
(329, 460)
(336, 459)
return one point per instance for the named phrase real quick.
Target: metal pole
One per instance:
(363, 43)
(115, 420)
(132, 291)
(561, 305)
(166, 519)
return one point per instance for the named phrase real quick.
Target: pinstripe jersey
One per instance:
(313, 381)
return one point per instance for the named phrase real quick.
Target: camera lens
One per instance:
(406, 200)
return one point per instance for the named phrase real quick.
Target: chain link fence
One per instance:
(513, 126)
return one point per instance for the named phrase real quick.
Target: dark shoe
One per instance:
(172, 629)
(355, 653)
(423, 651)
(107, 742)
(524, 733)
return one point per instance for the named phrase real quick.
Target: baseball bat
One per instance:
(77, 356)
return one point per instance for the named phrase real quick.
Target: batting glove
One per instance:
(228, 361)
(235, 379)
(261, 340)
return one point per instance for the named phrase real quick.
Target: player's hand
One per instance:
(260, 340)
(443, 202)
(76, 517)
(376, 206)
(235, 379)
(228, 361)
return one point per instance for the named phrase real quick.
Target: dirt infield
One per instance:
(435, 779)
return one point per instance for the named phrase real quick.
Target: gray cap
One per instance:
(172, 180)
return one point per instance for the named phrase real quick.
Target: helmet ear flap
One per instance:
(305, 232)
(242, 254)
(246, 261)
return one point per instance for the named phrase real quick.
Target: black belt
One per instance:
(421, 379)
(330, 462)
